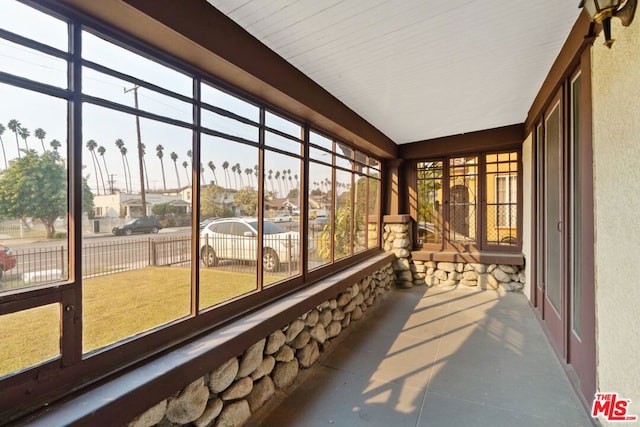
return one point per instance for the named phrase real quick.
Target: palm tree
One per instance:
(101, 151)
(233, 170)
(225, 166)
(160, 154)
(125, 163)
(185, 165)
(270, 178)
(297, 182)
(249, 173)
(91, 146)
(201, 174)
(14, 126)
(2, 129)
(213, 170)
(277, 177)
(24, 134)
(40, 134)
(174, 157)
(284, 185)
(189, 155)
(239, 172)
(55, 144)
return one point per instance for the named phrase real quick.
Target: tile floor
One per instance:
(435, 357)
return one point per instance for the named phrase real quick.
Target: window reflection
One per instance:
(29, 337)
(103, 52)
(319, 218)
(430, 224)
(32, 64)
(140, 278)
(40, 26)
(342, 239)
(281, 233)
(228, 245)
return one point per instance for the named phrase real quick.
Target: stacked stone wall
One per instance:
(231, 393)
(410, 272)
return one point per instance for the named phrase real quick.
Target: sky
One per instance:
(105, 126)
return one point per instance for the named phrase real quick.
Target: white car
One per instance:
(236, 239)
(283, 218)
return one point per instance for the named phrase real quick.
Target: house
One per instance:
(457, 134)
(126, 205)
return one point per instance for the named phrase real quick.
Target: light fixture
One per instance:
(601, 11)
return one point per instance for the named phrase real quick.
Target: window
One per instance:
(502, 198)
(469, 202)
(130, 146)
(506, 191)
(430, 224)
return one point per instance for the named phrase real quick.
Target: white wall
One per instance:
(527, 164)
(616, 149)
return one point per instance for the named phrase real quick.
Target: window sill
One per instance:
(122, 398)
(509, 258)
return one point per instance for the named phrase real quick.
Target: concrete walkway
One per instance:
(436, 357)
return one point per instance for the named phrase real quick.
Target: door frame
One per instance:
(579, 353)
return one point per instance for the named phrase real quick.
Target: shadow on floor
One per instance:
(436, 357)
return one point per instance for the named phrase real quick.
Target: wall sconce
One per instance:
(601, 11)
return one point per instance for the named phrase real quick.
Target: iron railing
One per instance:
(25, 267)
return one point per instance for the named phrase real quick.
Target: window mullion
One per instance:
(72, 318)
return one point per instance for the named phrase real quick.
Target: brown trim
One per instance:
(581, 36)
(393, 188)
(585, 363)
(476, 257)
(197, 33)
(396, 219)
(491, 139)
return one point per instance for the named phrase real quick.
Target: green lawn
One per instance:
(116, 307)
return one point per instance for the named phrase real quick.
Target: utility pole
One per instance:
(140, 160)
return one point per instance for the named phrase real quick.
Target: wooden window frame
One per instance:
(481, 244)
(27, 390)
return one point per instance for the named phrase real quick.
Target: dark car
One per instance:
(138, 225)
(7, 260)
(319, 223)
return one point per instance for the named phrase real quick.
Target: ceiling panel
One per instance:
(417, 69)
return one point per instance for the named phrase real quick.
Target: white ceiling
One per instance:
(417, 69)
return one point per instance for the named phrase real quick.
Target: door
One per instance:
(581, 286)
(564, 270)
(553, 298)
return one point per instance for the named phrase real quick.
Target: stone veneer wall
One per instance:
(409, 272)
(230, 393)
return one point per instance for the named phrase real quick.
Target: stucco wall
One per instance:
(616, 146)
(527, 185)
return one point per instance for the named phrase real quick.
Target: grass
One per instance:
(116, 307)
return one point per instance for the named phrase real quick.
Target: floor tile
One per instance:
(438, 357)
(331, 398)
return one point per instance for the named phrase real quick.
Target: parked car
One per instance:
(236, 238)
(207, 221)
(7, 260)
(318, 223)
(139, 225)
(283, 218)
